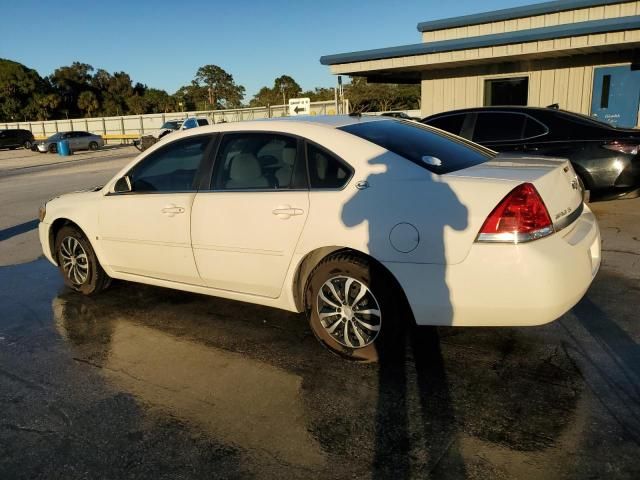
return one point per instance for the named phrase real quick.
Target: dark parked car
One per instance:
(16, 137)
(399, 114)
(605, 158)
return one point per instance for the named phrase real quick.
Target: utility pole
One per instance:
(284, 102)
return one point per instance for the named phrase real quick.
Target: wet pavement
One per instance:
(144, 382)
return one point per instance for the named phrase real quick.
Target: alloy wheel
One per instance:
(349, 312)
(74, 260)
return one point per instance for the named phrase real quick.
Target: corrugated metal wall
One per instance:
(570, 87)
(548, 20)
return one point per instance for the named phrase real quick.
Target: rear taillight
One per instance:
(628, 148)
(520, 217)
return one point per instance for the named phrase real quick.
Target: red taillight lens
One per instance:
(628, 148)
(520, 217)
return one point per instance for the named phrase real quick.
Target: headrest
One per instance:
(289, 156)
(245, 166)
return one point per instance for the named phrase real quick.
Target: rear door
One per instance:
(246, 227)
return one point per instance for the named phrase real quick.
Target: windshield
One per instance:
(427, 147)
(175, 125)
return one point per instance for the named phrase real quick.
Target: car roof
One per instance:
(500, 108)
(331, 121)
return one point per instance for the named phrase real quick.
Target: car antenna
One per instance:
(555, 106)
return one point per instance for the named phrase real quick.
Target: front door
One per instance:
(147, 232)
(616, 95)
(246, 228)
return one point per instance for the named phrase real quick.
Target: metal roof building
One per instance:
(580, 54)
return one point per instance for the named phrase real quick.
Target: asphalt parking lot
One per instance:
(147, 382)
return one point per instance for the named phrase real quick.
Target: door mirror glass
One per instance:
(123, 185)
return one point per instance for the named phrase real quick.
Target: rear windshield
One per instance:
(432, 149)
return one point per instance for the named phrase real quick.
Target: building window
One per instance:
(606, 88)
(506, 91)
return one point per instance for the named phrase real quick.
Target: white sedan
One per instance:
(362, 222)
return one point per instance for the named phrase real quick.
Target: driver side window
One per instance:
(172, 168)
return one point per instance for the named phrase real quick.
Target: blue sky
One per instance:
(162, 43)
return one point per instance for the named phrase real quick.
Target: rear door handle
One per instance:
(286, 211)
(171, 210)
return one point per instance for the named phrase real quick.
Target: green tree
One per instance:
(158, 101)
(18, 85)
(70, 81)
(380, 97)
(265, 96)
(319, 94)
(137, 104)
(221, 90)
(88, 102)
(45, 105)
(286, 85)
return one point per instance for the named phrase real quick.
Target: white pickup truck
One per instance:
(148, 139)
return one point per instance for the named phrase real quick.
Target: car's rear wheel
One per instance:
(27, 144)
(93, 146)
(53, 148)
(352, 307)
(78, 262)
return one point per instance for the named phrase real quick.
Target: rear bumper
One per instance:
(505, 284)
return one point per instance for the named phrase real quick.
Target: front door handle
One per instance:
(286, 211)
(171, 210)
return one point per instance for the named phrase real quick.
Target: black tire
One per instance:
(381, 290)
(12, 148)
(89, 278)
(53, 148)
(27, 144)
(93, 146)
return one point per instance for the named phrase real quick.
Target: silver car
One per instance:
(77, 141)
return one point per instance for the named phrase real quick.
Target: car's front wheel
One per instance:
(353, 307)
(78, 262)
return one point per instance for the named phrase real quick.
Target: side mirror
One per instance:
(123, 185)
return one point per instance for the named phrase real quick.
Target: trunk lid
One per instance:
(554, 179)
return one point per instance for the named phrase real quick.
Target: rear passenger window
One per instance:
(437, 151)
(499, 127)
(325, 170)
(534, 128)
(449, 123)
(258, 161)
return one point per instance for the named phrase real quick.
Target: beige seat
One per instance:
(245, 172)
(284, 173)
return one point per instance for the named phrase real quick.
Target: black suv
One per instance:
(16, 137)
(605, 158)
